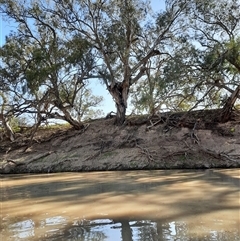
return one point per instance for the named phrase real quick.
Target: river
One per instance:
(176, 205)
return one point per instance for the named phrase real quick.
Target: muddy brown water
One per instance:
(122, 206)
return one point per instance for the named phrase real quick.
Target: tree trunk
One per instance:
(119, 92)
(121, 113)
(126, 231)
(227, 109)
(78, 125)
(8, 130)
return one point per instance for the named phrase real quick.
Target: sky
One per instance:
(97, 88)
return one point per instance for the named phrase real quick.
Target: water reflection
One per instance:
(122, 206)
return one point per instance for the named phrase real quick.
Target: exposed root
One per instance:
(222, 155)
(103, 144)
(36, 158)
(178, 153)
(193, 134)
(153, 124)
(147, 153)
(93, 156)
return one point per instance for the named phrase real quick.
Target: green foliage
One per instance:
(78, 49)
(43, 60)
(145, 97)
(233, 55)
(86, 105)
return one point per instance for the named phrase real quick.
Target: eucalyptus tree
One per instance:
(51, 68)
(118, 31)
(203, 68)
(173, 86)
(215, 29)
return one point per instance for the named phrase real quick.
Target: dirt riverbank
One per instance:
(142, 143)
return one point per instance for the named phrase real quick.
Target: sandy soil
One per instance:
(140, 144)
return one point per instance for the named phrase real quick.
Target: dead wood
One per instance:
(33, 159)
(147, 153)
(193, 134)
(177, 153)
(38, 157)
(153, 123)
(228, 107)
(222, 155)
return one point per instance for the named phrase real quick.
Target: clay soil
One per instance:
(169, 141)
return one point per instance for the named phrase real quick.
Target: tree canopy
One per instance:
(183, 57)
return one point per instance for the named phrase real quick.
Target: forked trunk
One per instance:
(227, 109)
(119, 91)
